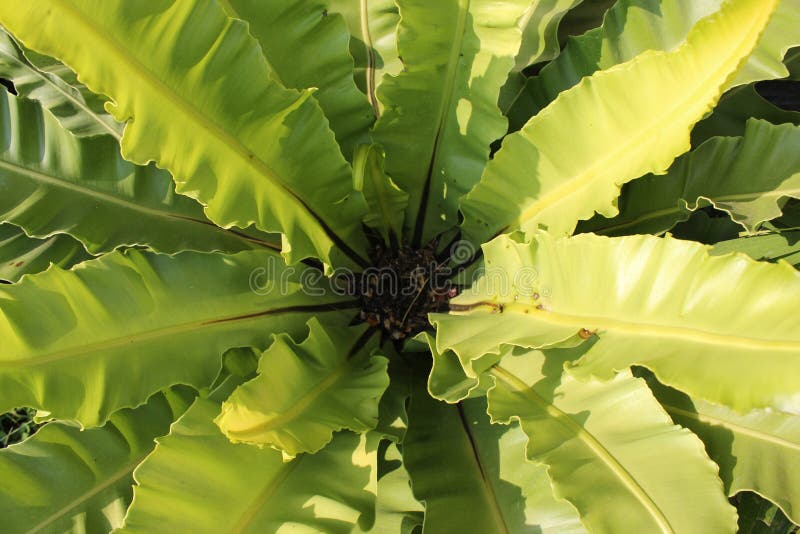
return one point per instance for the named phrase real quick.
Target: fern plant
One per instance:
(378, 266)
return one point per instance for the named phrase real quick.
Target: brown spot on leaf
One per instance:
(585, 334)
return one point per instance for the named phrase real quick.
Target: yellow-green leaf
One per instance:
(199, 100)
(489, 487)
(749, 177)
(83, 187)
(66, 480)
(609, 448)
(307, 47)
(661, 303)
(755, 450)
(307, 391)
(570, 160)
(441, 111)
(386, 203)
(244, 489)
(84, 343)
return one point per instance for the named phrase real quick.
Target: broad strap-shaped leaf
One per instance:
(63, 479)
(770, 246)
(447, 380)
(489, 486)
(634, 26)
(539, 26)
(199, 100)
(307, 47)
(393, 407)
(373, 42)
(735, 109)
(82, 344)
(747, 177)
(307, 391)
(609, 448)
(386, 203)
(245, 489)
(629, 28)
(20, 254)
(76, 108)
(83, 187)
(441, 112)
(767, 60)
(661, 303)
(396, 509)
(757, 514)
(755, 451)
(571, 159)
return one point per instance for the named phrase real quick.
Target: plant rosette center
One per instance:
(402, 287)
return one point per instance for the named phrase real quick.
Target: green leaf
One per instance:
(770, 247)
(373, 42)
(396, 509)
(197, 94)
(539, 25)
(489, 486)
(63, 479)
(759, 516)
(629, 28)
(447, 381)
(735, 108)
(609, 448)
(241, 488)
(20, 254)
(81, 186)
(51, 83)
(392, 410)
(307, 391)
(754, 451)
(747, 177)
(782, 33)
(307, 47)
(633, 26)
(664, 304)
(441, 112)
(581, 149)
(82, 344)
(385, 201)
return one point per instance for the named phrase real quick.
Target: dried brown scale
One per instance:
(402, 288)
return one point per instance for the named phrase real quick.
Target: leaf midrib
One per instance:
(366, 34)
(157, 333)
(626, 146)
(734, 427)
(443, 114)
(488, 490)
(614, 465)
(250, 513)
(634, 328)
(299, 404)
(103, 197)
(75, 101)
(248, 158)
(113, 479)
